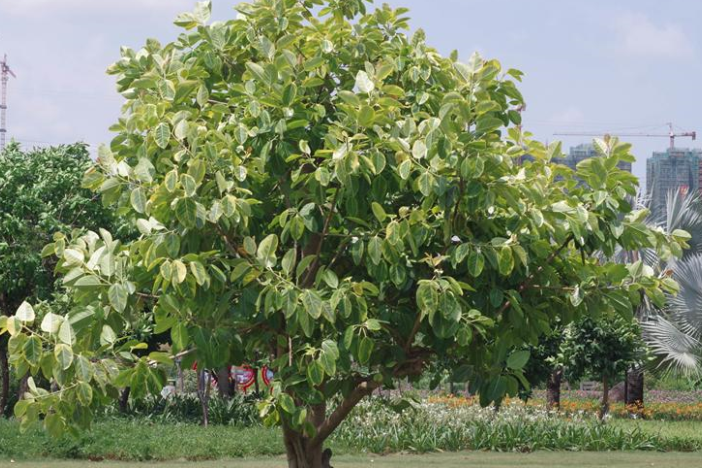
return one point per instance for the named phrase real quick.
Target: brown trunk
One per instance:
(203, 392)
(553, 389)
(301, 454)
(23, 387)
(634, 397)
(256, 387)
(605, 398)
(5, 374)
(224, 383)
(124, 400)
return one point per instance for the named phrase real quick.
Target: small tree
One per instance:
(604, 349)
(545, 367)
(40, 195)
(316, 190)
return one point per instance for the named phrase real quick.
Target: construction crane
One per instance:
(672, 135)
(5, 74)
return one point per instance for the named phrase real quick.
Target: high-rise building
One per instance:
(585, 151)
(676, 169)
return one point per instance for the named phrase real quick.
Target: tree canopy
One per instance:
(319, 191)
(40, 195)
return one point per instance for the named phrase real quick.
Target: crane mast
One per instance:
(5, 74)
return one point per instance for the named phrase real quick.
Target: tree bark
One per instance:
(203, 392)
(553, 389)
(23, 387)
(124, 400)
(224, 383)
(634, 397)
(309, 452)
(5, 374)
(604, 409)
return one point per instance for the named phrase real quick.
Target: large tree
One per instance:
(40, 195)
(321, 192)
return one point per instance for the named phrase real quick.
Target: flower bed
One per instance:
(687, 410)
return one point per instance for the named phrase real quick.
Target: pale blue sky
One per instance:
(627, 65)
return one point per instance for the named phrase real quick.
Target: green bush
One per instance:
(239, 411)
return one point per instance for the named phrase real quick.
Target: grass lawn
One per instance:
(463, 459)
(691, 430)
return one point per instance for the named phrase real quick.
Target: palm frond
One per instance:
(676, 350)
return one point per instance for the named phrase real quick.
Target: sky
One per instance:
(618, 66)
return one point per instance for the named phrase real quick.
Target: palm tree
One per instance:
(672, 333)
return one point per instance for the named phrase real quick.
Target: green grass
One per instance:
(455, 460)
(682, 430)
(138, 440)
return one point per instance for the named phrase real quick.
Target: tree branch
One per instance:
(341, 412)
(530, 279)
(318, 248)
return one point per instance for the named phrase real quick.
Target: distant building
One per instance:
(585, 151)
(676, 169)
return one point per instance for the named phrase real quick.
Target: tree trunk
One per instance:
(301, 455)
(634, 397)
(553, 389)
(124, 400)
(224, 383)
(5, 374)
(203, 392)
(605, 398)
(23, 387)
(305, 452)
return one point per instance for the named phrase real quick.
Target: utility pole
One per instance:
(5, 73)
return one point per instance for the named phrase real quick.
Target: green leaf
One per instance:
(51, 323)
(312, 303)
(54, 425)
(378, 211)
(266, 251)
(257, 71)
(85, 393)
(180, 272)
(32, 350)
(118, 297)
(286, 403)
(476, 262)
(180, 336)
(365, 349)
(83, 368)
(162, 135)
(518, 359)
(66, 334)
(404, 169)
(505, 260)
(25, 313)
(364, 83)
(138, 200)
(315, 373)
(186, 212)
(64, 355)
(289, 260)
(374, 249)
(189, 185)
(108, 335)
(419, 149)
(289, 94)
(199, 273)
(366, 116)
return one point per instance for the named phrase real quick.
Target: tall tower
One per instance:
(5, 74)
